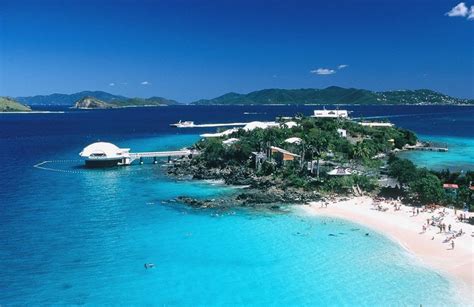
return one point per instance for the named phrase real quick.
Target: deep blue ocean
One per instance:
(74, 236)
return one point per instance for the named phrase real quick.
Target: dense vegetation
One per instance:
(321, 143)
(334, 95)
(426, 187)
(9, 105)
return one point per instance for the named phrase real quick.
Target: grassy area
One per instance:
(10, 105)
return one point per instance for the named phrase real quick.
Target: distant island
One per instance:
(332, 95)
(96, 98)
(10, 105)
(90, 102)
(335, 95)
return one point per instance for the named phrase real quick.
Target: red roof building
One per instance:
(450, 186)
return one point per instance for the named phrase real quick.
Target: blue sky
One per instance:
(187, 50)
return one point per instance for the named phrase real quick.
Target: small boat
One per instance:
(183, 124)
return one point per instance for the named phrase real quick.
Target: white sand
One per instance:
(406, 229)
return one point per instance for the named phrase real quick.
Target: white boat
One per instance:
(183, 124)
(331, 114)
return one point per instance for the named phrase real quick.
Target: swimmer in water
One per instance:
(367, 234)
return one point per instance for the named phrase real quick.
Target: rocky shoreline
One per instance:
(264, 192)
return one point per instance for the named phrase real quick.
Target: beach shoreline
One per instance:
(405, 228)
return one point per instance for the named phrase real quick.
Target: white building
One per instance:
(219, 134)
(230, 141)
(102, 154)
(291, 124)
(261, 125)
(293, 140)
(342, 133)
(340, 171)
(331, 114)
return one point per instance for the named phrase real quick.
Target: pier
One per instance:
(426, 148)
(155, 155)
(191, 124)
(102, 154)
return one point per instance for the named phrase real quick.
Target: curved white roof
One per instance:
(253, 125)
(293, 140)
(219, 134)
(104, 148)
(291, 124)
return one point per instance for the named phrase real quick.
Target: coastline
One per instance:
(406, 229)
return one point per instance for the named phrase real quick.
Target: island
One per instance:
(90, 102)
(302, 159)
(10, 105)
(335, 95)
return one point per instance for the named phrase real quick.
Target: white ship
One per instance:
(331, 114)
(183, 124)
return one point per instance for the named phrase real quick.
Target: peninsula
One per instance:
(304, 159)
(10, 105)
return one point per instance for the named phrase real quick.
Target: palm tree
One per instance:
(316, 143)
(361, 151)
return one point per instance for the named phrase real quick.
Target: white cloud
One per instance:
(471, 13)
(459, 10)
(342, 66)
(323, 71)
(145, 83)
(111, 84)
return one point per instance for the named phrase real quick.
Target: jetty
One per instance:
(427, 147)
(103, 154)
(191, 124)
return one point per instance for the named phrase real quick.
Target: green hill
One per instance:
(71, 99)
(90, 102)
(333, 95)
(9, 105)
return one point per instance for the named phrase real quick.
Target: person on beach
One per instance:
(452, 244)
(449, 227)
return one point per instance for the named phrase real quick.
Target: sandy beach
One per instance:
(406, 228)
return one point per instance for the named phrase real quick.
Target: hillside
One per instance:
(334, 95)
(92, 103)
(71, 99)
(9, 105)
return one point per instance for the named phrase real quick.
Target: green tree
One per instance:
(427, 188)
(403, 170)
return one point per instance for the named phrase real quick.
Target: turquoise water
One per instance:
(450, 126)
(460, 155)
(76, 236)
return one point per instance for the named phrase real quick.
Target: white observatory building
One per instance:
(102, 154)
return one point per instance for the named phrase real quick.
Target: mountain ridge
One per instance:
(334, 95)
(71, 99)
(327, 96)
